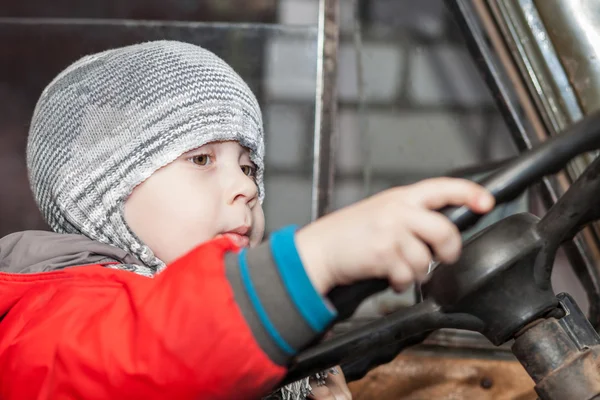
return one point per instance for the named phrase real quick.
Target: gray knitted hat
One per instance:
(111, 119)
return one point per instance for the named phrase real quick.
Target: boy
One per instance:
(149, 159)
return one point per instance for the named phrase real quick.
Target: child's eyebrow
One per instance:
(203, 148)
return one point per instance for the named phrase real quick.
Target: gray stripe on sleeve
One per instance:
(274, 298)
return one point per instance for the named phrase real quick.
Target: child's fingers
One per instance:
(335, 388)
(321, 393)
(438, 232)
(338, 387)
(400, 277)
(441, 192)
(416, 254)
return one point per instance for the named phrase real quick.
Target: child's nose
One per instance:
(243, 188)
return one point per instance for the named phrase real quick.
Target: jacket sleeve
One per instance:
(202, 328)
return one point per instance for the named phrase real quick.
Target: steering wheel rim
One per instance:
(505, 184)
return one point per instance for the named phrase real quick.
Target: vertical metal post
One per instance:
(326, 108)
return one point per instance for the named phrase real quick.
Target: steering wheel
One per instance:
(500, 284)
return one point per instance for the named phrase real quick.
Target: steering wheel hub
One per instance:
(494, 280)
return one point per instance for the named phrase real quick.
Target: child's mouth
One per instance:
(240, 236)
(239, 240)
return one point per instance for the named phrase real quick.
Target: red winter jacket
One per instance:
(216, 324)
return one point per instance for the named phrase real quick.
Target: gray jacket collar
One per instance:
(40, 251)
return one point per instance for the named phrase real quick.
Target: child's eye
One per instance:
(249, 170)
(201, 159)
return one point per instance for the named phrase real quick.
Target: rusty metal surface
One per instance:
(562, 356)
(326, 107)
(415, 376)
(566, 383)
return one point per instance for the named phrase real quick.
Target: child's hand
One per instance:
(335, 388)
(387, 235)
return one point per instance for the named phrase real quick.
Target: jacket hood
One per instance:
(41, 251)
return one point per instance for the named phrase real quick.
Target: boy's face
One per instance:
(206, 192)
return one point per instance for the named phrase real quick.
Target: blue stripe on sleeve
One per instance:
(308, 301)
